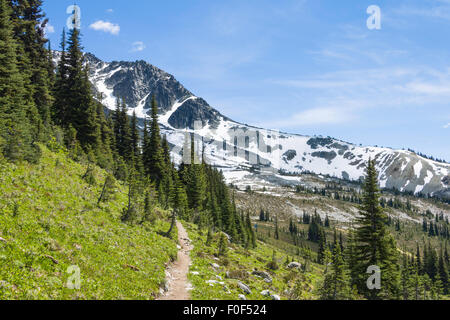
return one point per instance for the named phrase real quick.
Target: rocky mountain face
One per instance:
(254, 154)
(136, 82)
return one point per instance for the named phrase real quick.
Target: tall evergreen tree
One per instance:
(375, 246)
(155, 166)
(337, 282)
(60, 107)
(82, 113)
(251, 232)
(34, 41)
(443, 272)
(16, 136)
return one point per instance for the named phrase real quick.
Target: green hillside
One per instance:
(49, 220)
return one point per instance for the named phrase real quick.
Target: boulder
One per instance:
(264, 275)
(215, 266)
(242, 297)
(275, 297)
(237, 274)
(294, 265)
(244, 288)
(265, 293)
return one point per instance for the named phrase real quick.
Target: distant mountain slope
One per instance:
(241, 148)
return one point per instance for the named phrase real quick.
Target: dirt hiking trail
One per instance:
(177, 273)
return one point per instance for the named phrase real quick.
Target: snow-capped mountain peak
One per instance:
(239, 148)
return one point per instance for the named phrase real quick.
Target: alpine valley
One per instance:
(118, 183)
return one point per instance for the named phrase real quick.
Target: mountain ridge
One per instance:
(240, 149)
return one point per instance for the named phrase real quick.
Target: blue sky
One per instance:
(302, 66)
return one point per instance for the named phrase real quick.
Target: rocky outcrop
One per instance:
(244, 288)
(294, 265)
(194, 110)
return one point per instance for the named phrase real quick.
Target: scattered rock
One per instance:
(215, 266)
(242, 297)
(78, 247)
(275, 297)
(264, 275)
(178, 247)
(219, 277)
(237, 274)
(2, 240)
(265, 293)
(213, 282)
(244, 288)
(195, 273)
(289, 155)
(294, 265)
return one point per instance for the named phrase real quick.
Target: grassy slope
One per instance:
(56, 218)
(286, 283)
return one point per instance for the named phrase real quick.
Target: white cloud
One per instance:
(49, 29)
(110, 10)
(343, 96)
(318, 116)
(138, 46)
(439, 10)
(106, 26)
(447, 125)
(327, 115)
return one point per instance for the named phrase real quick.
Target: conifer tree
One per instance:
(277, 234)
(145, 146)
(251, 232)
(443, 272)
(28, 22)
(122, 131)
(322, 247)
(337, 282)
(180, 198)
(375, 246)
(81, 113)
(60, 107)
(352, 258)
(155, 164)
(16, 136)
(34, 43)
(135, 140)
(196, 183)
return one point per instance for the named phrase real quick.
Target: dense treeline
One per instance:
(404, 275)
(43, 103)
(423, 274)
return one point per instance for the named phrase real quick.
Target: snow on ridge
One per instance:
(139, 110)
(404, 165)
(342, 165)
(418, 168)
(164, 119)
